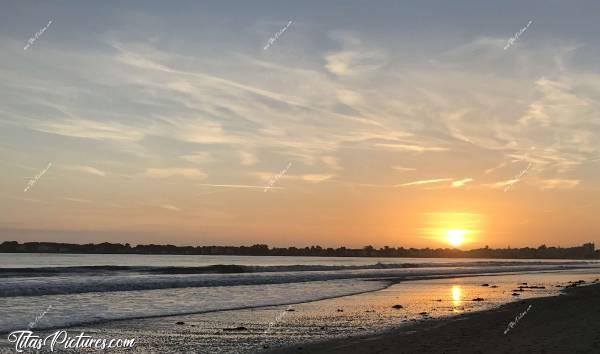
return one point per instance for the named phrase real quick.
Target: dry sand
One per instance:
(569, 323)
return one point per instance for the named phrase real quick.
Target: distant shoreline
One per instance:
(585, 251)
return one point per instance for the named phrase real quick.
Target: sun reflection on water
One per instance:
(456, 295)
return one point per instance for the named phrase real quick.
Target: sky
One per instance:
(337, 123)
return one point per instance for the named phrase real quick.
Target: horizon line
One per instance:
(297, 247)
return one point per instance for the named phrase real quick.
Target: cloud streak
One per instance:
(191, 173)
(421, 182)
(86, 169)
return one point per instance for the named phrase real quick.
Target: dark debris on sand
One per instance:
(240, 328)
(555, 325)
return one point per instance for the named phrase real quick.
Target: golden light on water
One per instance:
(456, 295)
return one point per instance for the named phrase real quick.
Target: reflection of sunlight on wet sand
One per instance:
(456, 295)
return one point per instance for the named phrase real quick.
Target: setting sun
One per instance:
(456, 237)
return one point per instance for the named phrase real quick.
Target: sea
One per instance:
(61, 291)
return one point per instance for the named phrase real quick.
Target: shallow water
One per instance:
(72, 309)
(83, 299)
(360, 314)
(128, 299)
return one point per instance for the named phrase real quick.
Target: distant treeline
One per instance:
(586, 251)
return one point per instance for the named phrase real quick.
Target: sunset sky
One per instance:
(397, 122)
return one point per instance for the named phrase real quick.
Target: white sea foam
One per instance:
(74, 283)
(73, 309)
(82, 294)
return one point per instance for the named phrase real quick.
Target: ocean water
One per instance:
(94, 291)
(39, 260)
(338, 317)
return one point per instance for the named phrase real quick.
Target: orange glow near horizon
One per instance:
(456, 229)
(456, 237)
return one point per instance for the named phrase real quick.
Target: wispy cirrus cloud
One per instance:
(350, 62)
(192, 173)
(86, 169)
(82, 128)
(248, 159)
(497, 167)
(169, 207)
(461, 183)
(425, 181)
(518, 177)
(311, 178)
(32, 200)
(199, 158)
(354, 58)
(501, 184)
(77, 200)
(558, 183)
(243, 186)
(332, 162)
(316, 178)
(408, 147)
(401, 168)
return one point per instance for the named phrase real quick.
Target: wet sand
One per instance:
(568, 323)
